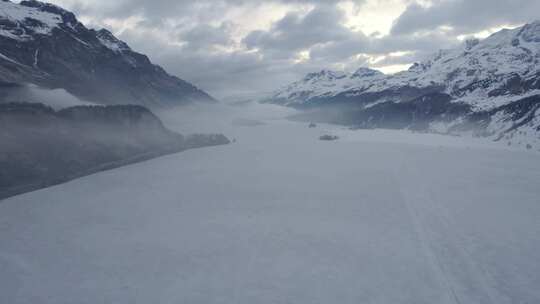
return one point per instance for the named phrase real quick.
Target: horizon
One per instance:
(250, 56)
(123, 183)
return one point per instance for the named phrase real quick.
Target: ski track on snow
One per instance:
(280, 217)
(464, 279)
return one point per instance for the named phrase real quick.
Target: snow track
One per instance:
(446, 249)
(376, 217)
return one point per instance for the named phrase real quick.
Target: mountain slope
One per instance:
(42, 147)
(46, 45)
(483, 78)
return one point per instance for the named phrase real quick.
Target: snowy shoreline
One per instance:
(280, 216)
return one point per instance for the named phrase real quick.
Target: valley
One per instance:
(280, 216)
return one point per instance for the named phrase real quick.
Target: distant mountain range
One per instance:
(487, 87)
(45, 45)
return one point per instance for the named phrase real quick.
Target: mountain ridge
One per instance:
(507, 51)
(45, 45)
(485, 76)
(42, 147)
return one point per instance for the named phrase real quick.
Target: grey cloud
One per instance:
(267, 62)
(295, 32)
(204, 35)
(340, 50)
(156, 10)
(465, 16)
(358, 43)
(191, 46)
(219, 73)
(428, 42)
(415, 56)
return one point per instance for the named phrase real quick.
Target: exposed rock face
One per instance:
(46, 45)
(416, 114)
(445, 93)
(42, 147)
(328, 138)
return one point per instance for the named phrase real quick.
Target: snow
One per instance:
(114, 45)
(9, 34)
(36, 58)
(476, 99)
(111, 42)
(79, 40)
(327, 83)
(110, 45)
(281, 217)
(470, 74)
(4, 57)
(19, 13)
(494, 60)
(20, 28)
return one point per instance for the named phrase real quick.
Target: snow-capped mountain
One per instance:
(489, 86)
(45, 45)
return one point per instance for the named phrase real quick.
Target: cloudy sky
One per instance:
(237, 47)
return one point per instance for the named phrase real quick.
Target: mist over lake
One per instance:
(269, 152)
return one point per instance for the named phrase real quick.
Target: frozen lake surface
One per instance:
(281, 217)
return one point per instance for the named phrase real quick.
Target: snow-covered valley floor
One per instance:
(281, 217)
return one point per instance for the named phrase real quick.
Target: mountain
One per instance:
(487, 87)
(42, 147)
(45, 45)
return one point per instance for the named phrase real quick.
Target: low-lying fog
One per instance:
(280, 216)
(252, 119)
(55, 98)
